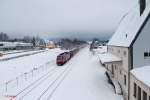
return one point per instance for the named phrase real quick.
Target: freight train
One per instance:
(65, 56)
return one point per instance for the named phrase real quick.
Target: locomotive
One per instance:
(65, 56)
(1, 54)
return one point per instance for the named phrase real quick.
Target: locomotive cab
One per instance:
(60, 59)
(1, 54)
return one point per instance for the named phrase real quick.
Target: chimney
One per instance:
(142, 4)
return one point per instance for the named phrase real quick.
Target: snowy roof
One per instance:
(7, 44)
(49, 41)
(102, 49)
(14, 44)
(23, 44)
(129, 26)
(142, 74)
(108, 57)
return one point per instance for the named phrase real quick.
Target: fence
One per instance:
(24, 77)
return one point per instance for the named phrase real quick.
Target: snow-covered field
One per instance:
(82, 78)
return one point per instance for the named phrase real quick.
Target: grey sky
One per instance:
(56, 18)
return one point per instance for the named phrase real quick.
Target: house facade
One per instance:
(130, 44)
(121, 71)
(140, 83)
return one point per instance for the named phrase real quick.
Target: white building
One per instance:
(140, 83)
(129, 46)
(15, 46)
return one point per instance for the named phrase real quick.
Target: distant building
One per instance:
(129, 47)
(7, 46)
(23, 46)
(15, 46)
(50, 44)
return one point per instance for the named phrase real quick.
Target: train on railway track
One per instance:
(1, 54)
(65, 56)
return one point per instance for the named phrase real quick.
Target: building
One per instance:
(23, 46)
(128, 48)
(50, 45)
(140, 83)
(4, 46)
(7, 46)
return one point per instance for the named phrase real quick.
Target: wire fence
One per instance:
(25, 77)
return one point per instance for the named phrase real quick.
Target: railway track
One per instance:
(34, 84)
(58, 79)
(54, 79)
(53, 91)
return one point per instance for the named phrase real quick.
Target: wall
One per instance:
(140, 46)
(144, 87)
(123, 68)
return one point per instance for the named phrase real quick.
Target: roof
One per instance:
(14, 44)
(7, 44)
(142, 74)
(129, 26)
(108, 57)
(99, 50)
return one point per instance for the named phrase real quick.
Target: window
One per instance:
(139, 93)
(118, 51)
(1, 44)
(120, 72)
(112, 69)
(146, 54)
(124, 79)
(134, 94)
(144, 95)
(124, 53)
(126, 35)
(115, 67)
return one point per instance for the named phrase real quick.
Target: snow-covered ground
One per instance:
(86, 81)
(15, 68)
(82, 78)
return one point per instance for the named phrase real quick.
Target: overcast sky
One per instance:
(60, 18)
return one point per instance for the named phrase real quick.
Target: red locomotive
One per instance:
(64, 57)
(1, 54)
